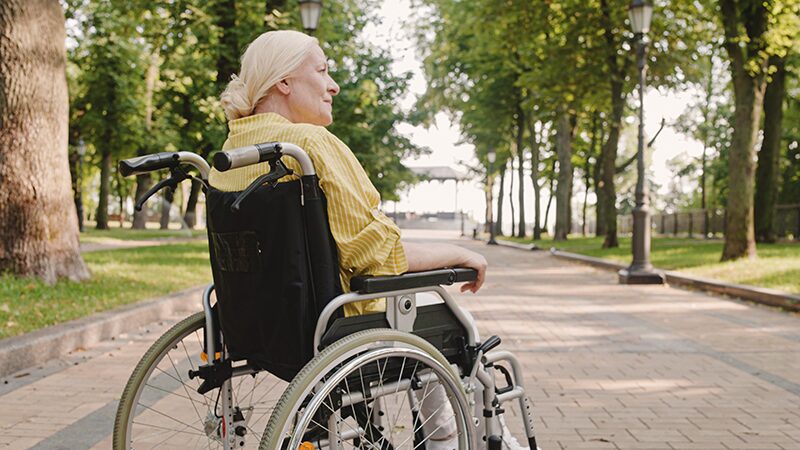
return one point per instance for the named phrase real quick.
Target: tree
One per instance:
(565, 128)
(38, 224)
(768, 168)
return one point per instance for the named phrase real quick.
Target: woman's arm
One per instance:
(437, 256)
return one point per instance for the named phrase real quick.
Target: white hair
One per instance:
(269, 59)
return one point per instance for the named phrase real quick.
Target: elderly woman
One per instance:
(284, 93)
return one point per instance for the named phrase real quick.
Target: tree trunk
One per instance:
(537, 230)
(511, 194)
(105, 187)
(191, 205)
(608, 191)
(564, 187)
(121, 196)
(768, 170)
(38, 223)
(166, 205)
(489, 198)
(748, 93)
(498, 224)
(76, 175)
(144, 181)
(521, 170)
(617, 75)
(550, 198)
(597, 182)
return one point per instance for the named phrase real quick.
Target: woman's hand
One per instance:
(423, 257)
(478, 262)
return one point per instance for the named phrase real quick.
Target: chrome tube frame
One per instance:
(301, 156)
(469, 325)
(197, 161)
(211, 338)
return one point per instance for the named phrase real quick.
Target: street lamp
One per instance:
(310, 11)
(641, 270)
(491, 157)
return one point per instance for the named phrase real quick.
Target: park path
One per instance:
(114, 244)
(607, 366)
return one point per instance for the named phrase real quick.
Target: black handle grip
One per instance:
(148, 163)
(245, 156)
(490, 343)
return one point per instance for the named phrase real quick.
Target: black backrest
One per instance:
(275, 267)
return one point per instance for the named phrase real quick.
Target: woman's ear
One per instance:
(283, 87)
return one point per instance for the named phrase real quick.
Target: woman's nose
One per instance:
(333, 88)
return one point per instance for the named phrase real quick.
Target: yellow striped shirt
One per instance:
(368, 242)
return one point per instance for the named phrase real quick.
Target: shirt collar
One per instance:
(245, 124)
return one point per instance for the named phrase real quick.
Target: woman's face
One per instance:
(312, 91)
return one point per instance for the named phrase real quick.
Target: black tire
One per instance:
(161, 408)
(368, 355)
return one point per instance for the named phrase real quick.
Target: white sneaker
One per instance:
(446, 444)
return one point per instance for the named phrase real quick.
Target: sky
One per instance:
(443, 137)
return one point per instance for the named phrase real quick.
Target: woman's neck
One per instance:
(269, 105)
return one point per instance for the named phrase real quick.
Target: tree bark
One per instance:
(75, 169)
(38, 221)
(564, 187)
(748, 93)
(105, 186)
(498, 224)
(489, 198)
(144, 181)
(166, 205)
(521, 170)
(768, 169)
(511, 194)
(535, 156)
(191, 205)
(551, 196)
(617, 73)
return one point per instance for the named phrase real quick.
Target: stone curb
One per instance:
(772, 297)
(517, 245)
(37, 347)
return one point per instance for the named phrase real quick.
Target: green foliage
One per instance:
(146, 77)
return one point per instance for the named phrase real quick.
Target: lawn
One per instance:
(92, 235)
(777, 266)
(119, 277)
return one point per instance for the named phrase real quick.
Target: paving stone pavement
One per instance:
(607, 366)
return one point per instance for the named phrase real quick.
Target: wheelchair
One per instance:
(272, 362)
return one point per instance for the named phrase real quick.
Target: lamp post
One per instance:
(310, 11)
(641, 270)
(491, 157)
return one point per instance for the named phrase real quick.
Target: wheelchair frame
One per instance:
(401, 310)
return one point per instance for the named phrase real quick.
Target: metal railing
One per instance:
(711, 223)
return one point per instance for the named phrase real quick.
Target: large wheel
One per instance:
(367, 391)
(161, 408)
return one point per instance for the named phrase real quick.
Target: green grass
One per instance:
(119, 277)
(126, 234)
(777, 266)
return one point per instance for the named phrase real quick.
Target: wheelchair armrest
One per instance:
(365, 284)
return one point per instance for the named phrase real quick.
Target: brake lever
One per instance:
(177, 176)
(278, 171)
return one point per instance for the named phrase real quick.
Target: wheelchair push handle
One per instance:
(245, 156)
(148, 163)
(263, 152)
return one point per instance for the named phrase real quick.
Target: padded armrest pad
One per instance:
(370, 285)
